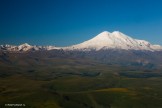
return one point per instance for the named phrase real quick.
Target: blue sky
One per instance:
(67, 22)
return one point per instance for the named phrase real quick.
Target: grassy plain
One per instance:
(67, 83)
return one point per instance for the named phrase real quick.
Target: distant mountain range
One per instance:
(25, 47)
(113, 48)
(103, 41)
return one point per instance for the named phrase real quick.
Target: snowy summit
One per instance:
(103, 41)
(114, 40)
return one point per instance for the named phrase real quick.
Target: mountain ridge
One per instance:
(103, 41)
(25, 47)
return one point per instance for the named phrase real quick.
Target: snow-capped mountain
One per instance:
(25, 47)
(114, 40)
(103, 41)
(106, 47)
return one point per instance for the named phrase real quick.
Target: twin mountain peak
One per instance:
(103, 41)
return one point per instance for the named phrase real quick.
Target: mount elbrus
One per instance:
(106, 47)
(103, 41)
